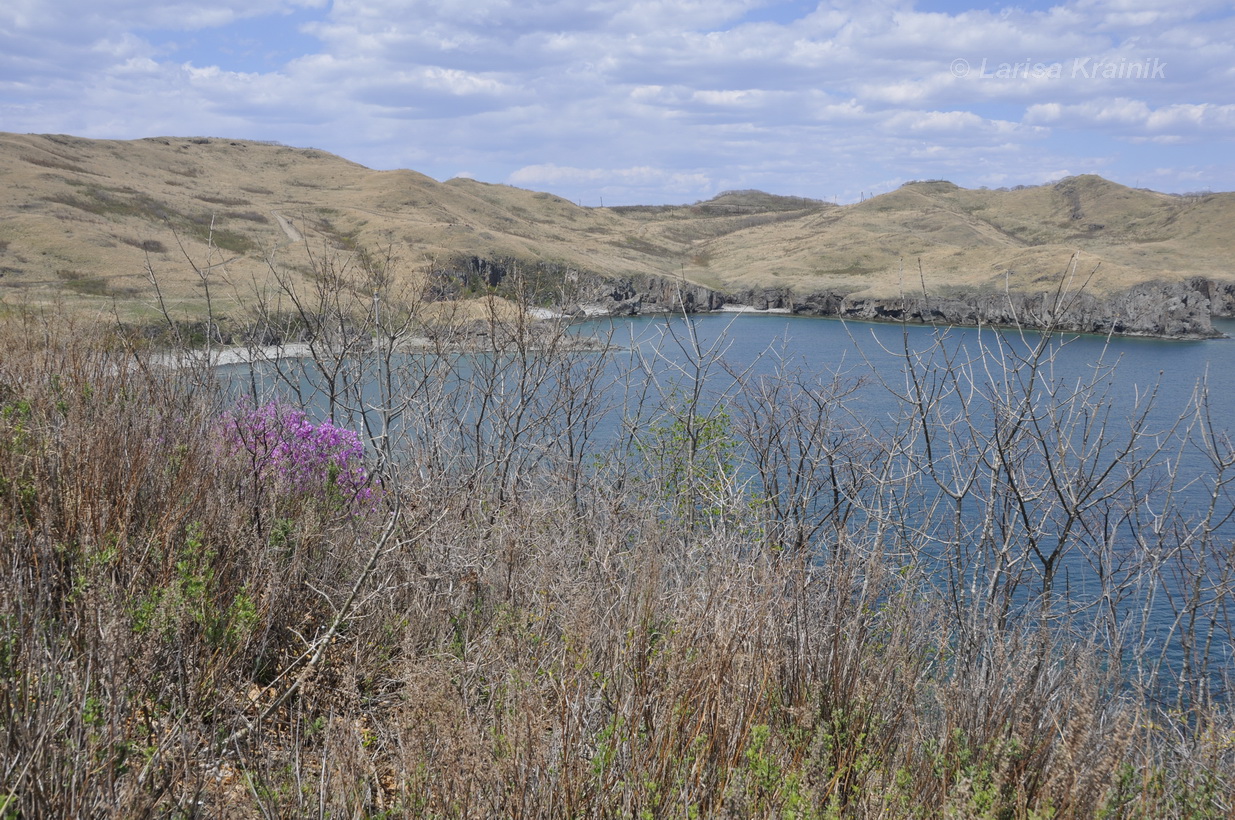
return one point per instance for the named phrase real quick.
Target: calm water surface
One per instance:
(1125, 374)
(827, 346)
(1159, 382)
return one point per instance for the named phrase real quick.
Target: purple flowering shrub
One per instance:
(281, 447)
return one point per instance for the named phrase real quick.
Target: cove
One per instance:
(1078, 487)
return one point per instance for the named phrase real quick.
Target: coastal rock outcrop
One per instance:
(1221, 297)
(1163, 310)
(1176, 310)
(630, 295)
(1171, 310)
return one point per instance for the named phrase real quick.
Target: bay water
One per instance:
(1173, 398)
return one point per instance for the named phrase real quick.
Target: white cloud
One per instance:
(655, 98)
(1134, 14)
(641, 176)
(1136, 119)
(943, 122)
(742, 98)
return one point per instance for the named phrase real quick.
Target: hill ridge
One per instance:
(88, 220)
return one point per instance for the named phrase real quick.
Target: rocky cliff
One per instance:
(1174, 310)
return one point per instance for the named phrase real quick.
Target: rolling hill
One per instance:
(97, 223)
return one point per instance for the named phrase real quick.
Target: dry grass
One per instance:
(117, 210)
(533, 623)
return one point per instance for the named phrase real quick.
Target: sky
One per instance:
(620, 102)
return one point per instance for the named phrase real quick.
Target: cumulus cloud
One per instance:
(1135, 118)
(946, 122)
(652, 99)
(550, 174)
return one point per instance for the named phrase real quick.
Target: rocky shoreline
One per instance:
(1156, 309)
(1164, 310)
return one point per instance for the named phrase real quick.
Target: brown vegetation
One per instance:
(746, 608)
(114, 210)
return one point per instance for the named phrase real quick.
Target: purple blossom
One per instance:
(281, 445)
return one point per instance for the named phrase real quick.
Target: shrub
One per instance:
(735, 611)
(280, 446)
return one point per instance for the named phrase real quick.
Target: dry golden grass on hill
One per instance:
(85, 221)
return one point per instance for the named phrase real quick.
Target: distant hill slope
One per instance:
(978, 238)
(84, 220)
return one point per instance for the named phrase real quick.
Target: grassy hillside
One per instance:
(970, 239)
(86, 221)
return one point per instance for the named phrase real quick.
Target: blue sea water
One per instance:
(1154, 414)
(1172, 403)
(1175, 369)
